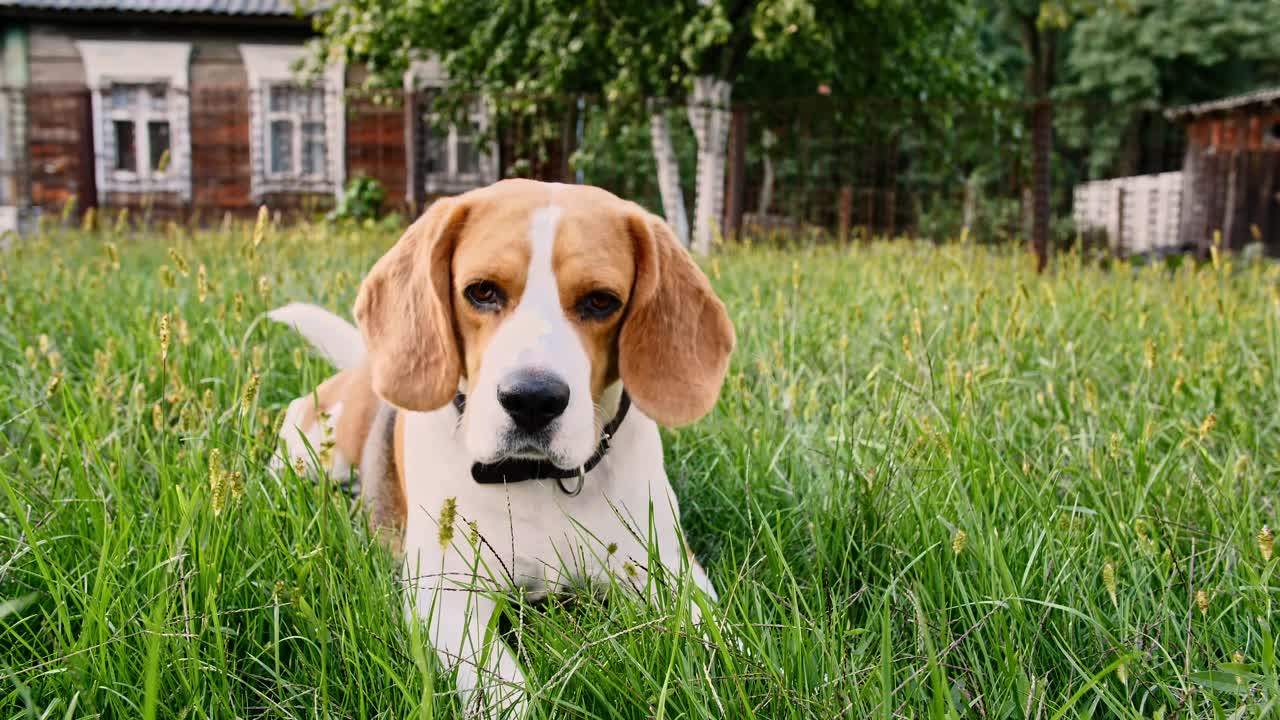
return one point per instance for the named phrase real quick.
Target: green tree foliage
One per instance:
(1154, 54)
(525, 56)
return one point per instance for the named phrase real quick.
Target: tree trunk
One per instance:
(1040, 46)
(1041, 156)
(736, 178)
(664, 155)
(971, 186)
(709, 115)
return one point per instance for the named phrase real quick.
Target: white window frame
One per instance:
(141, 115)
(271, 66)
(110, 63)
(296, 140)
(429, 75)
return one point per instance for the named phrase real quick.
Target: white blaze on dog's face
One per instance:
(537, 299)
(538, 318)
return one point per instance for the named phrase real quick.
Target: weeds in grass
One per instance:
(936, 485)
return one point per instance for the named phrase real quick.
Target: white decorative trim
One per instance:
(273, 65)
(113, 62)
(425, 73)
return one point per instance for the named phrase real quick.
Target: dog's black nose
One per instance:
(533, 400)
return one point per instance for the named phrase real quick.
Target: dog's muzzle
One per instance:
(514, 470)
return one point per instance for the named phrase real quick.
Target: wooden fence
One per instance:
(1138, 214)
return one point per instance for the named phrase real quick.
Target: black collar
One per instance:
(519, 470)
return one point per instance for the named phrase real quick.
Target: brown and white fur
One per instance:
(550, 258)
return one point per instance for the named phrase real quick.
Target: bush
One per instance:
(361, 200)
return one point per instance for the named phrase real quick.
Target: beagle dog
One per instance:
(517, 350)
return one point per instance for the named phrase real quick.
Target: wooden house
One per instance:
(1229, 183)
(193, 107)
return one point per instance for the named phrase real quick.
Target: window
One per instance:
(296, 129)
(451, 156)
(139, 128)
(296, 140)
(141, 119)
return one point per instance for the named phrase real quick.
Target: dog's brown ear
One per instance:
(676, 339)
(405, 312)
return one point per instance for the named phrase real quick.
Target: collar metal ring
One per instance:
(582, 480)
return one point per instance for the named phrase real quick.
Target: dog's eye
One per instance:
(598, 305)
(484, 295)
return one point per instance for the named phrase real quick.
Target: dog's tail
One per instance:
(337, 340)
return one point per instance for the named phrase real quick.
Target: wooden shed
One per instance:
(1229, 182)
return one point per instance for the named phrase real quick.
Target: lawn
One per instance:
(936, 485)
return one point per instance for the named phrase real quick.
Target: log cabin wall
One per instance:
(1230, 185)
(61, 127)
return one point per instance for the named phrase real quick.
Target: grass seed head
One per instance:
(250, 392)
(1266, 542)
(163, 334)
(1140, 529)
(68, 210)
(1202, 601)
(113, 255)
(1207, 425)
(448, 517)
(959, 539)
(1109, 581)
(179, 261)
(260, 227)
(202, 283)
(217, 482)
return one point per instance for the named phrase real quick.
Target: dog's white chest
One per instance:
(532, 535)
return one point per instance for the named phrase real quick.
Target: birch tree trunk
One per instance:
(710, 116)
(971, 187)
(664, 155)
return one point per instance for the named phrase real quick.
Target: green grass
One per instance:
(936, 485)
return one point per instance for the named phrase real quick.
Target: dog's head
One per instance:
(537, 299)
